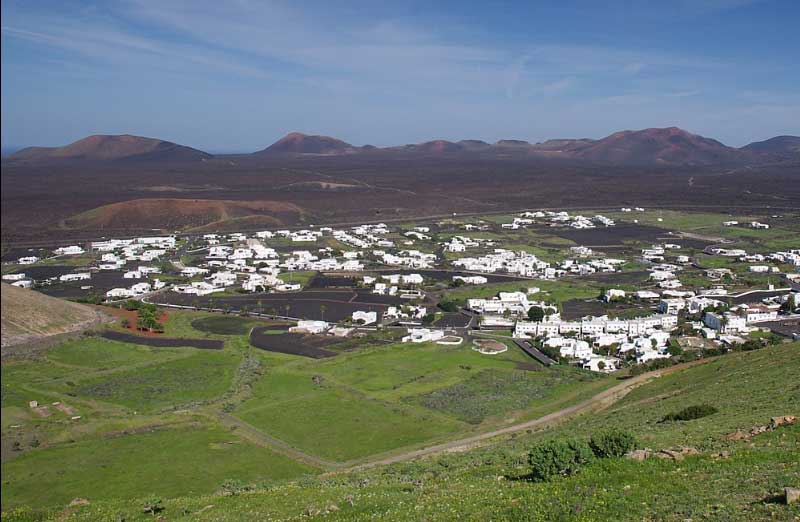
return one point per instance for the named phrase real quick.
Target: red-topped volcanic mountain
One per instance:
(669, 146)
(112, 148)
(298, 143)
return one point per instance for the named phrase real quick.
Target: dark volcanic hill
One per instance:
(100, 148)
(778, 147)
(434, 147)
(298, 143)
(474, 145)
(669, 146)
(514, 144)
(563, 145)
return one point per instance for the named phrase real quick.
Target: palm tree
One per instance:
(322, 309)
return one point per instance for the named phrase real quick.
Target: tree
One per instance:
(148, 317)
(536, 314)
(322, 309)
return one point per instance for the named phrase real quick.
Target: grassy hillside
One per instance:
(276, 416)
(28, 315)
(728, 480)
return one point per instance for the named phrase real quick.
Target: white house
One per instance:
(312, 327)
(725, 323)
(471, 280)
(73, 250)
(422, 335)
(612, 294)
(599, 363)
(365, 318)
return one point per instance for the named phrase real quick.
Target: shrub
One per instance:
(448, 306)
(612, 443)
(233, 487)
(558, 458)
(536, 314)
(153, 506)
(697, 411)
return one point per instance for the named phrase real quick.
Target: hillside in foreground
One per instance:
(728, 469)
(29, 315)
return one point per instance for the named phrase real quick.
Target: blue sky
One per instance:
(237, 75)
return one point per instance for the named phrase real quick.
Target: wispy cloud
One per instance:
(316, 63)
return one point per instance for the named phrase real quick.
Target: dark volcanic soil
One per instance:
(38, 201)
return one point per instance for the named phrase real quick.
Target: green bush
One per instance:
(233, 487)
(612, 443)
(153, 506)
(697, 411)
(558, 458)
(536, 314)
(448, 306)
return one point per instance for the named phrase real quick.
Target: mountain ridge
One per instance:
(112, 147)
(668, 146)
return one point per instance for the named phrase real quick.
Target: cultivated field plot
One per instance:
(381, 398)
(313, 346)
(495, 391)
(617, 235)
(164, 342)
(199, 376)
(100, 283)
(224, 325)
(331, 281)
(336, 422)
(577, 308)
(328, 305)
(108, 375)
(452, 320)
(44, 272)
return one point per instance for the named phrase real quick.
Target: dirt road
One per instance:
(604, 398)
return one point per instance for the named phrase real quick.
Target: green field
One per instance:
(372, 400)
(200, 376)
(339, 424)
(169, 461)
(729, 480)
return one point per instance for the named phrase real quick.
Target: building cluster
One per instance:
(562, 218)
(641, 339)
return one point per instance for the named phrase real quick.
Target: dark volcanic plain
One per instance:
(46, 201)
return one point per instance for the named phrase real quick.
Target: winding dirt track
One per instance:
(604, 398)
